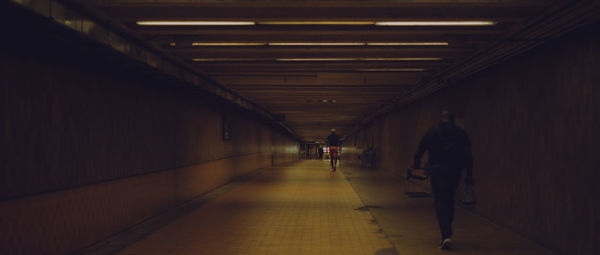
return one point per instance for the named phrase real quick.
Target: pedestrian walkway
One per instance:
(304, 208)
(300, 209)
(411, 225)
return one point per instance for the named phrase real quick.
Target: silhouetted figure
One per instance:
(320, 152)
(333, 141)
(367, 158)
(449, 151)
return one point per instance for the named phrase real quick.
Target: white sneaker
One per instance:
(445, 244)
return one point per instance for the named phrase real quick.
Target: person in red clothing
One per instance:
(333, 141)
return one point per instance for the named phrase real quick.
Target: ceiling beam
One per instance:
(264, 10)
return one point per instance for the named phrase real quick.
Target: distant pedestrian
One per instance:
(320, 152)
(449, 151)
(333, 141)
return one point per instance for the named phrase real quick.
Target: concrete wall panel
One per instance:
(64, 221)
(93, 143)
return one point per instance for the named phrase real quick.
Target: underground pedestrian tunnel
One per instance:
(191, 127)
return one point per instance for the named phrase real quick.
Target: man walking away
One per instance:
(333, 141)
(449, 151)
(320, 152)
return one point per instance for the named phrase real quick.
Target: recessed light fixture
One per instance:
(436, 23)
(227, 44)
(320, 43)
(359, 23)
(317, 59)
(316, 43)
(172, 44)
(401, 59)
(407, 43)
(223, 59)
(251, 23)
(392, 70)
(194, 23)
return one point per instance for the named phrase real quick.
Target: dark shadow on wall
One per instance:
(387, 251)
(532, 121)
(98, 142)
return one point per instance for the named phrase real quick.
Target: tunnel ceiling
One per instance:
(319, 87)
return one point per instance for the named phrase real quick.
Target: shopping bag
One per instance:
(468, 196)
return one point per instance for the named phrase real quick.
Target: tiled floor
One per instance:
(299, 209)
(411, 225)
(303, 208)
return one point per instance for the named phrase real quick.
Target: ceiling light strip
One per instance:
(368, 23)
(315, 59)
(228, 44)
(316, 43)
(355, 23)
(195, 23)
(401, 59)
(392, 70)
(223, 59)
(319, 43)
(436, 23)
(407, 43)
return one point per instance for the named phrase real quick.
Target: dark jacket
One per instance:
(448, 146)
(333, 140)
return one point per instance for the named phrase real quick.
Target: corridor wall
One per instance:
(533, 123)
(93, 143)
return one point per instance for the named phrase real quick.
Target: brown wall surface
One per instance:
(92, 143)
(533, 122)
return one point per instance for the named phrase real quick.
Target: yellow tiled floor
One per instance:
(298, 209)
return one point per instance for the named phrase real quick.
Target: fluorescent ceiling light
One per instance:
(407, 43)
(358, 59)
(195, 23)
(251, 23)
(227, 44)
(223, 59)
(317, 59)
(316, 22)
(316, 43)
(435, 23)
(392, 70)
(401, 59)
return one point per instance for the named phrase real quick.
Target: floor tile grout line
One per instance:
(127, 237)
(469, 211)
(370, 212)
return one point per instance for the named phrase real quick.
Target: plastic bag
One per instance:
(468, 196)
